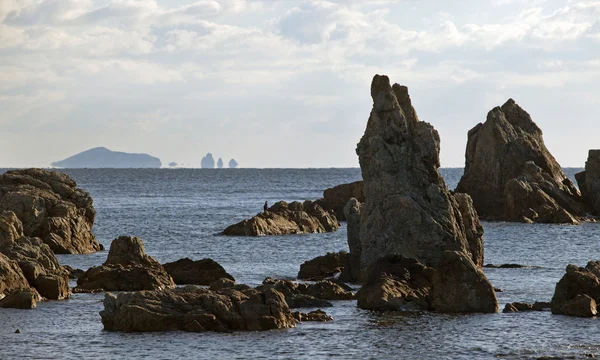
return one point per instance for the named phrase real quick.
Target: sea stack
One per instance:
(208, 162)
(408, 209)
(589, 181)
(233, 164)
(511, 175)
(220, 163)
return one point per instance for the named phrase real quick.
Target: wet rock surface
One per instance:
(283, 218)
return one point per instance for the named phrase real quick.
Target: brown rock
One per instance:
(222, 283)
(497, 152)
(308, 295)
(11, 277)
(21, 299)
(199, 272)
(473, 227)
(196, 310)
(127, 268)
(283, 218)
(317, 315)
(408, 208)
(459, 286)
(51, 207)
(573, 289)
(322, 267)
(336, 198)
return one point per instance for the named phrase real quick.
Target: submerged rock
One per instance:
(283, 218)
(322, 267)
(459, 286)
(352, 267)
(589, 181)
(199, 272)
(336, 198)
(196, 309)
(578, 291)
(127, 268)
(511, 175)
(51, 207)
(408, 208)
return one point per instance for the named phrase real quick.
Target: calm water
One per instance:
(179, 213)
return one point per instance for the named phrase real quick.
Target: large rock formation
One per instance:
(473, 227)
(102, 157)
(459, 286)
(127, 268)
(33, 262)
(408, 208)
(51, 207)
(497, 175)
(199, 272)
(335, 198)
(322, 267)
(589, 181)
(208, 162)
(578, 291)
(283, 218)
(352, 270)
(195, 309)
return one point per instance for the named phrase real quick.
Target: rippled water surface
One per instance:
(179, 213)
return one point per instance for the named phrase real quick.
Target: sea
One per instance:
(180, 213)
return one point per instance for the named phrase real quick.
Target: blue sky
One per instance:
(286, 83)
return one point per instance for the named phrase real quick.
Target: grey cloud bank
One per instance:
(242, 78)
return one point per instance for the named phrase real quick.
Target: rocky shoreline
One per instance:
(415, 245)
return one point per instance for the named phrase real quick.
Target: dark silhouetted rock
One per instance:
(233, 164)
(520, 307)
(322, 267)
(194, 309)
(396, 283)
(408, 208)
(589, 181)
(73, 272)
(283, 218)
(51, 207)
(502, 186)
(220, 163)
(510, 266)
(208, 162)
(101, 157)
(127, 268)
(199, 272)
(459, 286)
(578, 291)
(352, 268)
(336, 198)
(308, 295)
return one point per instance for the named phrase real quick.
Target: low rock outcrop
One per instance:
(199, 272)
(196, 309)
(316, 316)
(589, 181)
(51, 207)
(324, 266)
(578, 291)
(502, 183)
(335, 198)
(127, 268)
(396, 283)
(283, 218)
(308, 295)
(408, 208)
(521, 307)
(21, 299)
(459, 286)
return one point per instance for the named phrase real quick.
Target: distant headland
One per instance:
(102, 157)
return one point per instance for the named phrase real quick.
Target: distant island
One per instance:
(233, 164)
(208, 162)
(102, 157)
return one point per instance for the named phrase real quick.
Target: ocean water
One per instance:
(179, 213)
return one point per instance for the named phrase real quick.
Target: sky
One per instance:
(286, 83)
